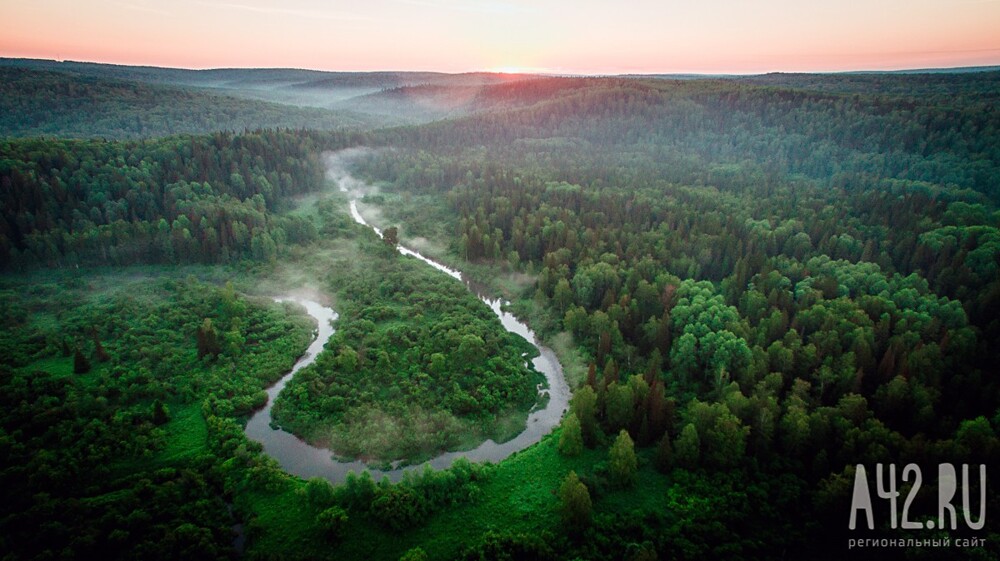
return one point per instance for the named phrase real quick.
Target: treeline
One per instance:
(395, 506)
(200, 199)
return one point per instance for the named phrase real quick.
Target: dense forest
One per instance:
(183, 199)
(830, 303)
(117, 428)
(416, 365)
(45, 103)
(764, 282)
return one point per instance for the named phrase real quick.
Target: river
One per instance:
(299, 458)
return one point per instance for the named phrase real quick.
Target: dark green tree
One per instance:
(208, 340)
(687, 449)
(664, 454)
(391, 236)
(574, 503)
(160, 412)
(333, 521)
(319, 493)
(80, 363)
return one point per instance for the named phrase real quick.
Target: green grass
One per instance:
(573, 364)
(187, 433)
(305, 206)
(63, 367)
(57, 366)
(647, 494)
(284, 523)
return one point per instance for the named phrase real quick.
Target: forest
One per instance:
(45, 103)
(183, 199)
(761, 283)
(417, 365)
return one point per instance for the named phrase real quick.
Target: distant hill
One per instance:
(176, 76)
(978, 80)
(453, 99)
(816, 128)
(460, 97)
(40, 102)
(86, 99)
(306, 88)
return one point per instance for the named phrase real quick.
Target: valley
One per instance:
(572, 317)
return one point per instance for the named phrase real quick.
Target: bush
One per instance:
(333, 521)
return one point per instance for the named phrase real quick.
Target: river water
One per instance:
(304, 460)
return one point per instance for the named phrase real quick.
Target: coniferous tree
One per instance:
(100, 355)
(160, 413)
(584, 406)
(575, 504)
(208, 340)
(80, 363)
(664, 454)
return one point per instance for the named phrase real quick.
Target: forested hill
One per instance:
(712, 129)
(428, 102)
(43, 103)
(981, 81)
(344, 93)
(162, 75)
(811, 276)
(253, 78)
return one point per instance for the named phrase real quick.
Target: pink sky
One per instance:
(570, 36)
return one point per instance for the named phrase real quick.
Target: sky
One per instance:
(556, 36)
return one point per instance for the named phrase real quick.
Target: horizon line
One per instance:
(531, 71)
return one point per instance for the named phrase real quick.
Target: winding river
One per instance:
(299, 458)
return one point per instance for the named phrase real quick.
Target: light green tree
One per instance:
(619, 407)
(584, 405)
(687, 449)
(415, 554)
(575, 504)
(571, 439)
(622, 462)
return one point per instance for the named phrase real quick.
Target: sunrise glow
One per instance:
(519, 70)
(583, 36)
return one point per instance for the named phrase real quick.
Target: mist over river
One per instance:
(299, 458)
